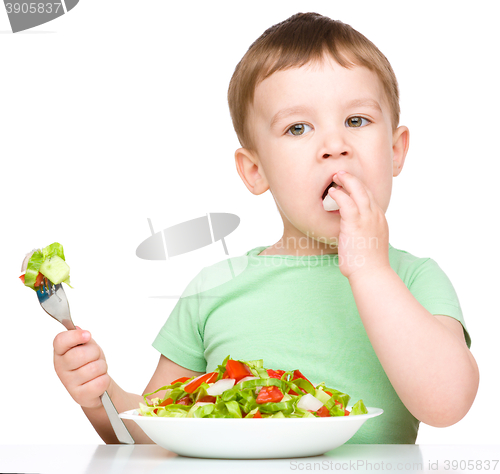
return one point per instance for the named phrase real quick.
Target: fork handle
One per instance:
(121, 431)
(68, 324)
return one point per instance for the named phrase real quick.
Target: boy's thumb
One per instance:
(78, 327)
(85, 334)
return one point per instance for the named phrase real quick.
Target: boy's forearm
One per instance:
(122, 401)
(432, 371)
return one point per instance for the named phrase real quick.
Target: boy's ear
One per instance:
(400, 145)
(251, 171)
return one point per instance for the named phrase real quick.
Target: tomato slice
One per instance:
(213, 378)
(275, 374)
(166, 402)
(236, 370)
(257, 414)
(184, 400)
(181, 379)
(207, 398)
(38, 280)
(298, 375)
(208, 378)
(323, 412)
(270, 394)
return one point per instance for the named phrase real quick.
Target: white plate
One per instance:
(259, 438)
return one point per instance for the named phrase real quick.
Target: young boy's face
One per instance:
(308, 123)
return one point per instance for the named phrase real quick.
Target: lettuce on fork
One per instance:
(49, 263)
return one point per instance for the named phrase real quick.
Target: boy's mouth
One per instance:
(331, 185)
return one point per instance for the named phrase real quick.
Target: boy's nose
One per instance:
(327, 155)
(334, 144)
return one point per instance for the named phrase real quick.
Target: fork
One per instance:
(53, 300)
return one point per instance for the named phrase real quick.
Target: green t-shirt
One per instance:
(299, 313)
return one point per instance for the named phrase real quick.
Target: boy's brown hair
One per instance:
(302, 38)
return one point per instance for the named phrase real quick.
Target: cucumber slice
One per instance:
(55, 269)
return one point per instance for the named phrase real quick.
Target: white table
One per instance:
(151, 459)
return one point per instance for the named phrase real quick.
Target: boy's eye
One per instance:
(356, 122)
(299, 129)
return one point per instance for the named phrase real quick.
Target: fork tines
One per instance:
(47, 287)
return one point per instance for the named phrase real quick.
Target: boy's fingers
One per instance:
(356, 190)
(81, 355)
(347, 207)
(98, 385)
(66, 340)
(90, 371)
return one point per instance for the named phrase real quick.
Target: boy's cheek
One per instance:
(280, 172)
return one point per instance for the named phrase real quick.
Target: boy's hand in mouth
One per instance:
(363, 244)
(328, 203)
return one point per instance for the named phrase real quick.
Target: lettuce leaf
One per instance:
(34, 264)
(359, 408)
(37, 259)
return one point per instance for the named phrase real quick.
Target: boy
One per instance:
(313, 102)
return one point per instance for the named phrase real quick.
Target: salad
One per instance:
(245, 389)
(46, 263)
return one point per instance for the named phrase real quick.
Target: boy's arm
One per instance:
(424, 356)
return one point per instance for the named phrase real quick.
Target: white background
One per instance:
(117, 112)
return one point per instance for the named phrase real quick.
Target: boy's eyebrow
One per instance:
(281, 114)
(300, 109)
(364, 103)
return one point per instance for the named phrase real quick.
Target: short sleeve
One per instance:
(434, 291)
(180, 339)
